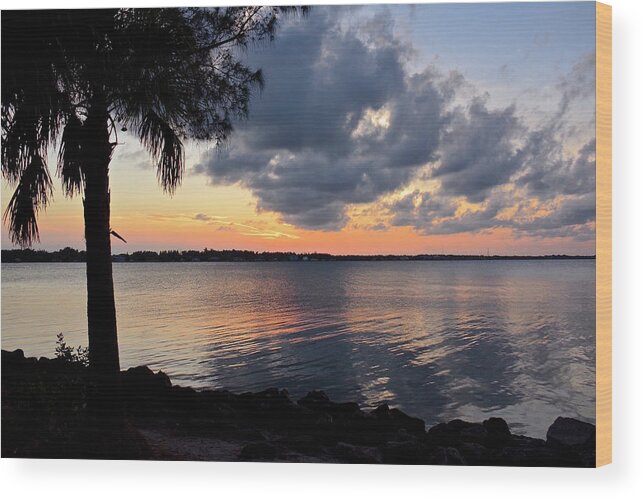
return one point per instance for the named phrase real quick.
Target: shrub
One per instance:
(78, 355)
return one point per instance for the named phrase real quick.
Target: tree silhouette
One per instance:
(75, 78)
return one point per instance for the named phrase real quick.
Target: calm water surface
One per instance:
(440, 340)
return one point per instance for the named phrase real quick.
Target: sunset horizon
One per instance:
(490, 170)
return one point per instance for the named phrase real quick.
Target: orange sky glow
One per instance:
(500, 160)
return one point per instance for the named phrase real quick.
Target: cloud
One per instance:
(340, 122)
(432, 214)
(526, 179)
(477, 152)
(131, 153)
(251, 228)
(343, 121)
(578, 84)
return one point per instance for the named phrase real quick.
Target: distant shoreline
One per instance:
(71, 255)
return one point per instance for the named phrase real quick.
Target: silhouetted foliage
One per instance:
(29, 255)
(166, 75)
(234, 255)
(78, 355)
(74, 78)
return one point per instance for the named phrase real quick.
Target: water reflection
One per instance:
(439, 339)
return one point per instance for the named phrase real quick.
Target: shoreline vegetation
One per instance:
(68, 254)
(47, 413)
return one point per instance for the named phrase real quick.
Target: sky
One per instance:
(406, 129)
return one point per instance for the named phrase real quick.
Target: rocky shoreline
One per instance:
(45, 414)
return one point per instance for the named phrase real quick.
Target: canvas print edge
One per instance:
(603, 234)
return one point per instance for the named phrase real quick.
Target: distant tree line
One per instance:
(29, 255)
(234, 255)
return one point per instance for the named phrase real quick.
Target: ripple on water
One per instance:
(439, 339)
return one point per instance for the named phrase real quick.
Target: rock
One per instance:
(251, 434)
(456, 432)
(268, 404)
(145, 392)
(143, 378)
(15, 355)
(314, 398)
(260, 451)
(304, 444)
(406, 452)
(570, 432)
(523, 451)
(403, 435)
(476, 433)
(355, 454)
(497, 431)
(266, 426)
(393, 420)
(15, 361)
(454, 457)
(318, 401)
(446, 456)
(473, 453)
(12, 361)
(185, 399)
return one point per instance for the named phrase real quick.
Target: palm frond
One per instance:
(70, 157)
(160, 139)
(31, 195)
(21, 142)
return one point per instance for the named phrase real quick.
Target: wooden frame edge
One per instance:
(603, 234)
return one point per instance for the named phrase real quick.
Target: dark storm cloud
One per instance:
(421, 207)
(435, 214)
(342, 121)
(490, 157)
(339, 122)
(477, 150)
(547, 172)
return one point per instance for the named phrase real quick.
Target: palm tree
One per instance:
(74, 78)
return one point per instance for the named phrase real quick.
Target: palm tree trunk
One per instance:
(101, 310)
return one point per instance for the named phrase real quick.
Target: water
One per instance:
(440, 340)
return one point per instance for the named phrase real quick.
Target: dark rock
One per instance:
(570, 432)
(267, 400)
(473, 453)
(476, 433)
(143, 378)
(404, 435)
(15, 359)
(496, 426)
(388, 419)
(185, 399)
(453, 457)
(251, 434)
(456, 432)
(13, 363)
(260, 451)
(524, 451)
(314, 398)
(318, 401)
(497, 431)
(355, 454)
(15, 355)
(45, 401)
(144, 392)
(407, 452)
(446, 456)
(305, 444)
